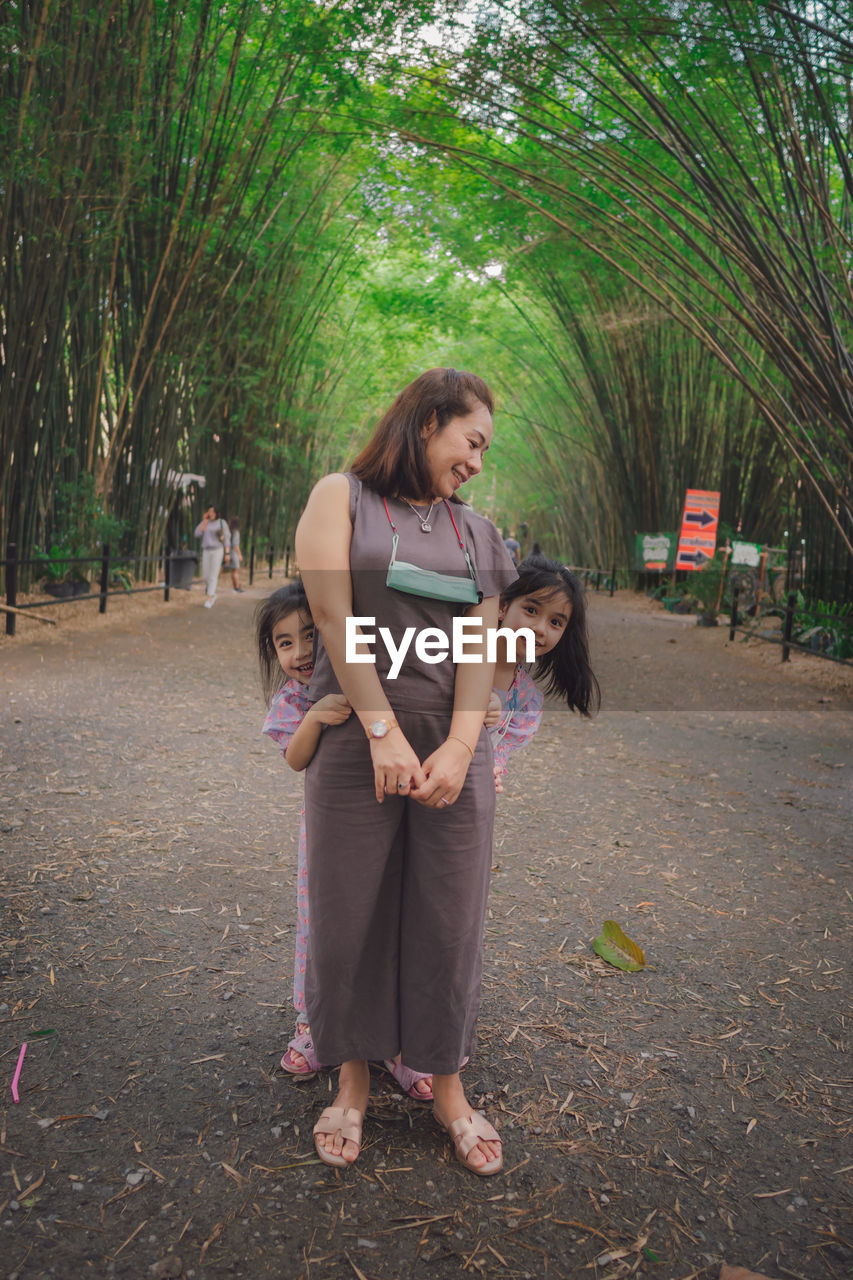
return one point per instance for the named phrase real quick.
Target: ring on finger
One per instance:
(401, 786)
(444, 800)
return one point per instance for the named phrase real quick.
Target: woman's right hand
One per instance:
(396, 768)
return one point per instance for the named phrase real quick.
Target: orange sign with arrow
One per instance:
(697, 540)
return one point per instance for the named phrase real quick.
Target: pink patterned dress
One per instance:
(286, 713)
(520, 716)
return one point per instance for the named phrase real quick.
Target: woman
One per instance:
(215, 541)
(400, 799)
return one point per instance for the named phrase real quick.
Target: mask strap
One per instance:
(453, 522)
(390, 521)
(461, 543)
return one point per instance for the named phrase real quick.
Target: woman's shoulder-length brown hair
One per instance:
(394, 461)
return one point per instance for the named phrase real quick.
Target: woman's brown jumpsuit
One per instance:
(398, 891)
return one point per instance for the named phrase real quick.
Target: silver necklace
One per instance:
(426, 527)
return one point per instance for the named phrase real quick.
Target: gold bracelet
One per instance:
(462, 740)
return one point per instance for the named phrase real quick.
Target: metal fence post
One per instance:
(167, 573)
(271, 558)
(733, 620)
(105, 577)
(789, 626)
(252, 563)
(613, 582)
(11, 584)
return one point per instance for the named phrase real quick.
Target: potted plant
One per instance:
(60, 578)
(706, 590)
(80, 525)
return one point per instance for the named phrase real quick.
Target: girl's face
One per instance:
(293, 641)
(455, 453)
(545, 613)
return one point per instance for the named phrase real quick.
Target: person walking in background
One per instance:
(215, 541)
(513, 546)
(236, 558)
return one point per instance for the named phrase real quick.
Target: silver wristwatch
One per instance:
(380, 728)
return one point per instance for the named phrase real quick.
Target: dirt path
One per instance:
(654, 1124)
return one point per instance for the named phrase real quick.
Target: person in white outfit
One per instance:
(215, 541)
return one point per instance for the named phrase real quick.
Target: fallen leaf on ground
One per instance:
(614, 946)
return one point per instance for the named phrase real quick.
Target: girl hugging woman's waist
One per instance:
(417, 687)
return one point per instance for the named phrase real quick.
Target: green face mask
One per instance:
(415, 581)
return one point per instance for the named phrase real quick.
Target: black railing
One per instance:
(597, 578)
(83, 590)
(786, 639)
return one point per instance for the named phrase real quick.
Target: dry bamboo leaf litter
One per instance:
(167, 860)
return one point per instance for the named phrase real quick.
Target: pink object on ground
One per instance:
(16, 1077)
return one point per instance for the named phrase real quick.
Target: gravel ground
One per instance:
(655, 1124)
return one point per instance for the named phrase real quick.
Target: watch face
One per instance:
(379, 728)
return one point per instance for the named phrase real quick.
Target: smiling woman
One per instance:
(400, 798)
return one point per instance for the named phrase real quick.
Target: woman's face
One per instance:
(455, 452)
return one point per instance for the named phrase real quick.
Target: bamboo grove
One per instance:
(700, 154)
(229, 232)
(171, 234)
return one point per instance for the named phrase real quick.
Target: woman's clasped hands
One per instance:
(396, 767)
(436, 783)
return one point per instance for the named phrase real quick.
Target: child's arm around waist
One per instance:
(333, 709)
(523, 722)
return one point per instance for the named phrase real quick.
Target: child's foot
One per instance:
(337, 1134)
(300, 1059)
(416, 1084)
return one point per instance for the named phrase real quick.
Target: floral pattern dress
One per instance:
(520, 716)
(286, 713)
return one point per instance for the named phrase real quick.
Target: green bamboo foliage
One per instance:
(702, 152)
(634, 412)
(171, 229)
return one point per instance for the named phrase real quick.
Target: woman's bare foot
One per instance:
(451, 1104)
(353, 1093)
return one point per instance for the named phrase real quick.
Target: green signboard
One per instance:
(746, 553)
(654, 552)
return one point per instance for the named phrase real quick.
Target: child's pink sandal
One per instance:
(407, 1079)
(304, 1045)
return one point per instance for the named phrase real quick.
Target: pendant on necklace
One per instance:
(426, 527)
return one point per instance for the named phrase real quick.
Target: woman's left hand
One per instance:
(445, 773)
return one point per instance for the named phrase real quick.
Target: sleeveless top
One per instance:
(420, 686)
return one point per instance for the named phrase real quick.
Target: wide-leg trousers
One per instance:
(397, 894)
